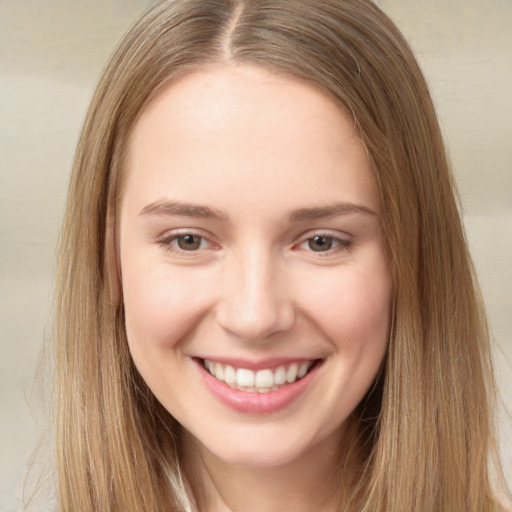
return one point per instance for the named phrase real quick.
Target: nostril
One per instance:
(255, 321)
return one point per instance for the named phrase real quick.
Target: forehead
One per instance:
(245, 130)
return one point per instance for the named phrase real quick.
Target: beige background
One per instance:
(51, 54)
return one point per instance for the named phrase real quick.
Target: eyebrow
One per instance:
(329, 211)
(178, 208)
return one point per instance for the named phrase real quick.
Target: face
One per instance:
(255, 286)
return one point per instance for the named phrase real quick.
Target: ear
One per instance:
(112, 265)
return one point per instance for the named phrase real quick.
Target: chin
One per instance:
(263, 448)
(260, 458)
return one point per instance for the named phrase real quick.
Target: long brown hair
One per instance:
(428, 433)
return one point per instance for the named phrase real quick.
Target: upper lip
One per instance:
(253, 364)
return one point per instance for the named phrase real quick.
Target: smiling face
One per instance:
(250, 249)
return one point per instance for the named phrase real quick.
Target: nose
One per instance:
(255, 302)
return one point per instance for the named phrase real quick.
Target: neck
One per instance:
(313, 481)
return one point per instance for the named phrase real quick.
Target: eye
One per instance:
(320, 243)
(323, 243)
(185, 242)
(189, 242)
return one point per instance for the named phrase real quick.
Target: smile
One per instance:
(262, 389)
(260, 381)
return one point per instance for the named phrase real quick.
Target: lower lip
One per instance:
(256, 403)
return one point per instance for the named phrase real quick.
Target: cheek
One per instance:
(353, 307)
(353, 310)
(160, 307)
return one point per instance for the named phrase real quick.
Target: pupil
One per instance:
(320, 243)
(189, 242)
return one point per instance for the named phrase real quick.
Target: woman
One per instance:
(263, 280)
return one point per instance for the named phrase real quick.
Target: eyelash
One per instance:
(169, 243)
(338, 244)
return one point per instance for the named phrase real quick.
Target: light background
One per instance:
(51, 55)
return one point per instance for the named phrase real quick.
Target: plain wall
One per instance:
(51, 55)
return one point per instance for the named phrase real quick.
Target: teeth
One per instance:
(219, 371)
(280, 376)
(244, 377)
(229, 375)
(261, 381)
(291, 374)
(303, 369)
(264, 379)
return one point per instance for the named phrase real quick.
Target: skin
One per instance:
(254, 147)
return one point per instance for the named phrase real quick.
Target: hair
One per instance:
(427, 426)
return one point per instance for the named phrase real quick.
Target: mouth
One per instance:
(263, 380)
(258, 387)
